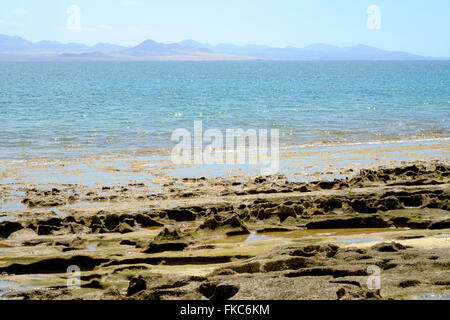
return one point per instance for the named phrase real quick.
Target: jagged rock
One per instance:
(219, 292)
(285, 212)
(249, 267)
(389, 247)
(330, 251)
(8, 227)
(408, 283)
(330, 204)
(45, 230)
(362, 207)
(207, 289)
(292, 263)
(157, 247)
(390, 203)
(357, 222)
(340, 293)
(123, 228)
(137, 284)
(94, 284)
(146, 222)
(169, 233)
(326, 185)
(180, 215)
(411, 201)
(232, 225)
(224, 292)
(170, 239)
(53, 222)
(445, 224)
(111, 221)
(128, 243)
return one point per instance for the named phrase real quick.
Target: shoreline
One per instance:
(283, 236)
(296, 162)
(293, 147)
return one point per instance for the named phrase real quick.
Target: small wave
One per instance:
(359, 143)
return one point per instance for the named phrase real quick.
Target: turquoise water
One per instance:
(73, 109)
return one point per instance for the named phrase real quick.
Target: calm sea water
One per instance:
(73, 109)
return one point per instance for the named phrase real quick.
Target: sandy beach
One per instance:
(141, 229)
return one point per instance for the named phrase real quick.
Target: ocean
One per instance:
(64, 110)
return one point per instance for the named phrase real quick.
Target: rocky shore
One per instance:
(232, 238)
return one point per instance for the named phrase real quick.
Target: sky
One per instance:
(420, 27)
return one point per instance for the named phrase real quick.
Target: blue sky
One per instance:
(420, 27)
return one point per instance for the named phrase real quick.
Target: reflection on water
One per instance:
(308, 234)
(432, 296)
(325, 232)
(18, 193)
(11, 286)
(8, 180)
(59, 213)
(91, 248)
(253, 237)
(299, 163)
(94, 174)
(12, 206)
(7, 287)
(81, 175)
(6, 218)
(358, 240)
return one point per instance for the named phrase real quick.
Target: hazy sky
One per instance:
(417, 26)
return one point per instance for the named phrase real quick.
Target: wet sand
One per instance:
(141, 229)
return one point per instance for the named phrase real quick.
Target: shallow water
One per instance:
(87, 175)
(432, 296)
(18, 193)
(11, 286)
(298, 164)
(59, 213)
(92, 248)
(8, 180)
(253, 237)
(304, 234)
(7, 287)
(12, 206)
(6, 218)
(358, 240)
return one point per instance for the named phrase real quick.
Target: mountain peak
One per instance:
(147, 43)
(191, 49)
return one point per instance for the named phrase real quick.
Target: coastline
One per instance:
(309, 231)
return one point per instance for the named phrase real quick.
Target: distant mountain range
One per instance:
(15, 48)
